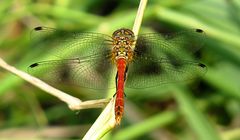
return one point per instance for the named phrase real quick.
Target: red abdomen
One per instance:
(119, 104)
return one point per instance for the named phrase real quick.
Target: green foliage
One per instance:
(205, 109)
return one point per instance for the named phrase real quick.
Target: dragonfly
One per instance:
(90, 60)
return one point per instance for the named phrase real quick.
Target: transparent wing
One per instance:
(62, 44)
(91, 73)
(83, 59)
(149, 73)
(167, 58)
(171, 45)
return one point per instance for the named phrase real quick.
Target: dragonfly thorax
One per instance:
(123, 40)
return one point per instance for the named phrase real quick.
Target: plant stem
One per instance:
(139, 17)
(72, 102)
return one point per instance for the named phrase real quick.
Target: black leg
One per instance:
(116, 78)
(125, 73)
(126, 69)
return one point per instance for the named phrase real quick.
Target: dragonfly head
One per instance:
(123, 37)
(123, 40)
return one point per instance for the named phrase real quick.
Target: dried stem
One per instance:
(104, 123)
(73, 102)
(139, 17)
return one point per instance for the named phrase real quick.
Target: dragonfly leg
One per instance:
(116, 79)
(116, 83)
(116, 94)
(125, 74)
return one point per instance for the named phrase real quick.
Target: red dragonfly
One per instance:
(92, 59)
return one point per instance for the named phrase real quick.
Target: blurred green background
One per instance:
(204, 109)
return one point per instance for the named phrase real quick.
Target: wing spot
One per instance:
(199, 30)
(38, 28)
(33, 65)
(201, 65)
